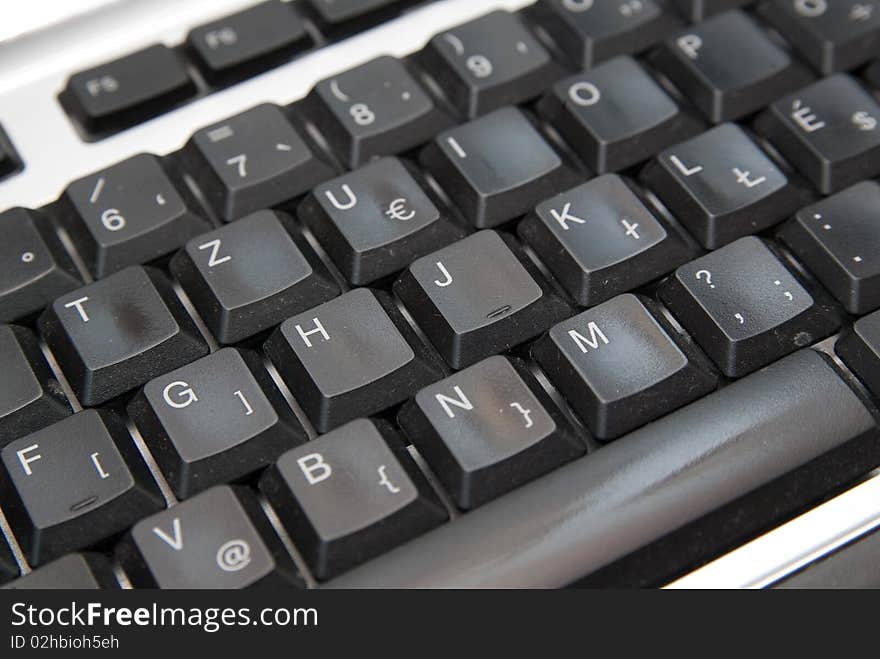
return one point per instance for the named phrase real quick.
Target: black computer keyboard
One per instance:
(583, 293)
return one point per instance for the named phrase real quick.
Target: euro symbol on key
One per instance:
(397, 210)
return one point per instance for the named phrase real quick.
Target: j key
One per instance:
(745, 308)
(34, 267)
(30, 396)
(728, 67)
(721, 186)
(829, 131)
(351, 14)
(116, 334)
(838, 239)
(487, 430)
(859, 347)
(832, 36)
(600, 240)
(591, 31)
(63, 495)
(127, 90)
(619, 368)
(214, 421)
(350, 495)
(9, 160)
(496, 167)
(252, 161)
(250, 41)
(126, 215)
(478, 297)
(488, 63)
(8, 567)
(700, 10)
(376, 221)
(616, 115)
(218, 539)
(375, 109)
(86, 571)
(250, 275)
(350, 357)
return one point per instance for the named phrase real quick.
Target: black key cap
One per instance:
(350, 357)
(699, 10)
(488, 63)
(376, 221)
(350, 495)
(496, 167)
(30, 396)
(218, 539)
(616, 115)
(728, 67)
(128, 214)
(118, 333)
(600, 240)
(63, 495)
(375, 109)
(478, 297)
(745, 308)
(859, 347)
(252, 161)
(87, 571)
(838, 239)
(351, 15)
(249, 41)
(250, 275)
(9, 159)
(214, 421)
(34, 267)
(127, 90)
(487, 430)
(829, 130)
(721, 186)
(619, 368)
(872, 74)
(8, 566)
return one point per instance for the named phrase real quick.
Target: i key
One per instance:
(375, 109)
(252, 161)
(699, 10)
(721, 186)
(85, 571)
(829, 130)
(376, 221)
(250, 275)
(219, 539)
(63, 495)
(619, 368)
(116, 334)
(350, 357)
(478, 297)
(128, 214)
(496, 167)
(350, 495)
(745, 308)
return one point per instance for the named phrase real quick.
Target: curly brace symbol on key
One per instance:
(386, 482)
(526, 414)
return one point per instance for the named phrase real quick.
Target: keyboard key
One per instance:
(619, 368)
(478, 297)
(721, 186)
(250, 275)
(248, 42)
(376, 221)
(352, 14)
(34, 267)
(252, 161)
(488, 429)
(218, 539)
(496, 167)
(600, 240)
(699, 10)
(8, 566)
(745, 308)
(859, 348)
(9, 159)
(128, 214)
(837, 239)
(350, 495)
(214, 421)
(63, 495)
(615, 115)
(375, 109)
(128, 90)
(488, 63)
(728, 67)
(350, 357)
(118, 333)
(829, 131)
(86, 571)
(30, 396)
